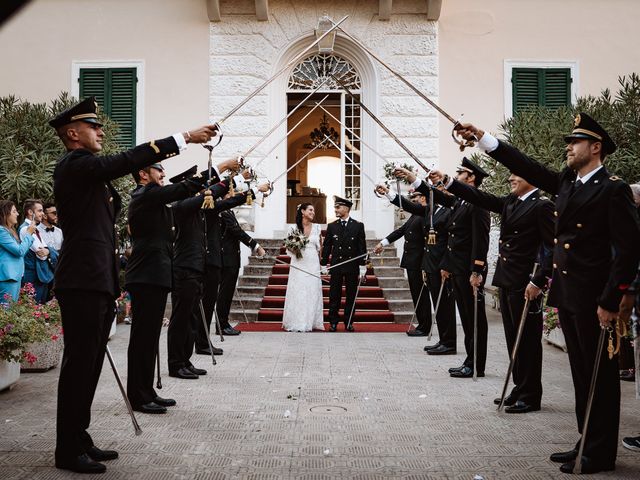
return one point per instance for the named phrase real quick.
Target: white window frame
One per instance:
(76, 65)
(509, 65)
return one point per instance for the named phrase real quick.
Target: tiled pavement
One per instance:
(316, 406)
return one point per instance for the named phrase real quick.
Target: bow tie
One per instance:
(50, 229)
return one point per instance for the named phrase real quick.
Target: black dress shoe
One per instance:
(183, 373)
(588, 466)
(508, 401)
(207, 351)
(230, 331)
(150, 407)
(431, 347)
(521, 407)
(417, 333)
(196, 371)
(564, 457)
(456, 369)
(165, 402)
(349, 328)
(333, 327)
(81, 464)
(98, 455)
(465, 372)
(442, 350)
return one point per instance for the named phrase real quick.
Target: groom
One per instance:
(344, 240)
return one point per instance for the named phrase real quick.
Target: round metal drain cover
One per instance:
(328, 409)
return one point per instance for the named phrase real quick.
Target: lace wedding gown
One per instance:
(303, 302)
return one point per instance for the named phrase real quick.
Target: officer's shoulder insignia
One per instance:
(543, 197)
(614, 178)
(577, 120)
(153, 145)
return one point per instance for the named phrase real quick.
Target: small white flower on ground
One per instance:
(327, 451)
(287, 413)
(286, 374)
(422, 396)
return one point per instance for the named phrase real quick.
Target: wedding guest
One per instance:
(39, 260)
(50, 233)
(12, 251)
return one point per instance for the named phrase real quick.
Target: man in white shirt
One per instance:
(49, 232)
(38, 252)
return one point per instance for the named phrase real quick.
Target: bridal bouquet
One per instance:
(295, 242)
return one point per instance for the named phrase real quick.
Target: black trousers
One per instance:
(463, 293)
(209, 299)
(446, 314)
(185, 314)
(420, 298)
(147, 306)
(350, 281)
(229, 278)
(86, 320)
(527, 369)
(581, 331)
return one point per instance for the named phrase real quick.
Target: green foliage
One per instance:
(30, 148)
(539, 132)
(23, 322)
(389, 167)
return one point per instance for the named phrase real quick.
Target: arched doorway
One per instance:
(323, 147)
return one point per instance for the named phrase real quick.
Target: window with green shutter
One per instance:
(549, 87)
(115, 91)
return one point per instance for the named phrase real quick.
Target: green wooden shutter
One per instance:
(115, 91)
(550, 87)
(557, 87)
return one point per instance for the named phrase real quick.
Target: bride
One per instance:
(303, 302)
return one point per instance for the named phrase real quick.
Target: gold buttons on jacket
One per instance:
(555, 265)
(555, 240)
(567, 246)
(564, 272)
(555, 213)
(579, 225)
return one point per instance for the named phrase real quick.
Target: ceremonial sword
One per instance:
(514, 352)
(475, 333)
(434, 312)
(206, 331)
(136, 426)
(361, 280)
(456, 123)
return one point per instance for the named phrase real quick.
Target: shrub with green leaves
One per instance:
(539, 132)
(30, 148)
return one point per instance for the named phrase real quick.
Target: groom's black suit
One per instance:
(342, 243)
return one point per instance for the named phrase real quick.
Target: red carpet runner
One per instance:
(372, 310)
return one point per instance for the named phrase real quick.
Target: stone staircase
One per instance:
(253, 283)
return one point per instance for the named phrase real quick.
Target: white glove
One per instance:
(324, 270)
(363, 270)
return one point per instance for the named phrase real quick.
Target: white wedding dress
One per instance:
(303, 302)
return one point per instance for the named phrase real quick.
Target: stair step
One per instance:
(400, 305)
(361, 303)
(371, 280)
(397, 293)
(245, 280)
(389, 271)
(275, 314)
(365, 291)
(393, 282)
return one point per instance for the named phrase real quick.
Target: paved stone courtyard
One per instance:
(316, 406)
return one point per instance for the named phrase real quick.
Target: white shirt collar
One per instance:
(586, 178)
(527, 195)
(345, 219)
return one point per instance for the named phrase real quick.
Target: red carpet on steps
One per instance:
(371, 306)
(377, 327)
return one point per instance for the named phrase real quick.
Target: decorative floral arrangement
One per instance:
(550, 320)
(24, 321)
(389, 167)
(295, 242)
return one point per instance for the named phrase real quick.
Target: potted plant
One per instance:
(22, 323)
(552, 329)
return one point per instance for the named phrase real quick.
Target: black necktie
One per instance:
(578, 183)
(49, 229)
(344, 223)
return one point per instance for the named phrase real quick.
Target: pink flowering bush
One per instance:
(24, 321)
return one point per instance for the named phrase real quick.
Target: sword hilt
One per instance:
(462, 142)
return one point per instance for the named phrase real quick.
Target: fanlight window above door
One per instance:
(312, 71)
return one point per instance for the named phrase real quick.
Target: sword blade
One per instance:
(435, 310)
(516, 346)
(275, 127)
(348, 261)
(400, 77)
(380, 123)
(136, 426)
(475, 334)
(282, 70)
(577, 468)
(277, 260)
